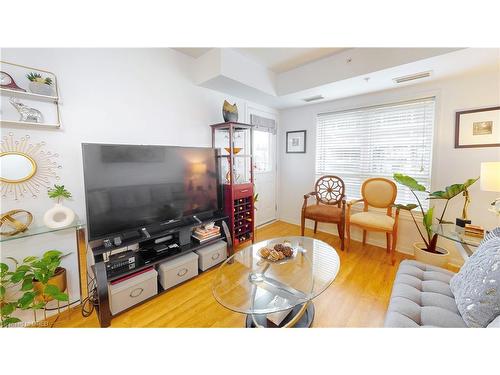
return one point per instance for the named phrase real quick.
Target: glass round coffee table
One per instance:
(277, 294)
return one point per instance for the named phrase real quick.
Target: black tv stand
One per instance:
(147, 256)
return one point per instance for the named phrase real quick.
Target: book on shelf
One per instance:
(206, 232)
(205, 238)
(474, 230)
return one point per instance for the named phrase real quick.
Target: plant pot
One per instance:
(59, 280)
(40, 88)
(58, 216)
(439, 260)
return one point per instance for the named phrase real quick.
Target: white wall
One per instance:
(450, 165)
(131, 96)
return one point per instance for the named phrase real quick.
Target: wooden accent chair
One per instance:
(380, 193)
(330, 205)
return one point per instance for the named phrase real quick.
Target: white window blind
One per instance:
(377, 142)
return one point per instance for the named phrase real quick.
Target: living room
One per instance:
(207, 183)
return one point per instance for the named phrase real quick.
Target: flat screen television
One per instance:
(128, 187)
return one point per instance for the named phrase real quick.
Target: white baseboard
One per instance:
(407, 250)
(354, 236)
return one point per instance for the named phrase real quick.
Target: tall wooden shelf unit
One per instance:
(234, 144)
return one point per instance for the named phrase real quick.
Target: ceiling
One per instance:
(278, 60)
(193, 52)
(285, 77)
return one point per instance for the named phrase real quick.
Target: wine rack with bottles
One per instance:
(240, 210)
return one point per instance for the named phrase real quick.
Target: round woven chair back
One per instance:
(329, 189)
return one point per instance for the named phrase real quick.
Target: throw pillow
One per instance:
(495, 323)
(477, 286)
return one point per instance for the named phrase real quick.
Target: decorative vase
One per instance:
(229, 112)
(438, 260)
(59, 280)
(58, 216)
(40, 88)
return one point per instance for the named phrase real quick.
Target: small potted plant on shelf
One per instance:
(49, 278)
(59, 216)
(33, 283)
(39, 85)
(428, 251)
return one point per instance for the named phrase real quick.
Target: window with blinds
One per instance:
(377, 142)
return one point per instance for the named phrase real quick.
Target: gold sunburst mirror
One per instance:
(25, 167)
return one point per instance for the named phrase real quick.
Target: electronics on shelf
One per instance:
(122, 261)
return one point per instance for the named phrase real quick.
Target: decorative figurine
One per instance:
(7, 82)
(14, 222)
(28, 114)
(229, 112)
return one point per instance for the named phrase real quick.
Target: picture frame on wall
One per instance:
(296, 142)
(478, 128)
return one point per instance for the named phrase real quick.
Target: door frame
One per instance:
(270, 113)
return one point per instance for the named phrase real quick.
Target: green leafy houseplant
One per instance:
(8, 279)
(37, 77)
(34, 275)
(59, 192)
(430, 238)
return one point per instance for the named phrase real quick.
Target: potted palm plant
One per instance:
(428, 251)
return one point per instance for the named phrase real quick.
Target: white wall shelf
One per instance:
(55, 100)
(28, 124)
(29, 95)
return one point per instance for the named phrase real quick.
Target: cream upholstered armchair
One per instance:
(379, 193)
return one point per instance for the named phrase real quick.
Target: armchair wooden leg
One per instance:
(341, 235)
(393, 247)
(364, 237)
(388, 240)
(348, 233)
(315, 226)
(302, 224)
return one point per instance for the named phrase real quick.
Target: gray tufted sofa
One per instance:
(421, 296)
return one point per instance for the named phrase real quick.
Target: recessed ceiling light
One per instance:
(313, 98)
(412, 77)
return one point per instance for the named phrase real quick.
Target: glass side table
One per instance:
(466, 245)
(277, 294)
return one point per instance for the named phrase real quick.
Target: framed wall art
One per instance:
(478, 128)
(296, 142)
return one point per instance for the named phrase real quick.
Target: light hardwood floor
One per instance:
(357, 298)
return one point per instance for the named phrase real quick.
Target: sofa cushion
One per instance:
(421, 296)
(476, 286)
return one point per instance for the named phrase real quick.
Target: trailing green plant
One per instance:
(10, 279)
(37, 77)
(59, 192)
(32, 269)
(430, 238)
